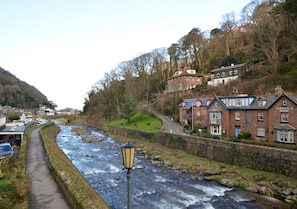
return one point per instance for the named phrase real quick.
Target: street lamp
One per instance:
(128, 152)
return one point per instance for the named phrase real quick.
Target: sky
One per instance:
(63, 47)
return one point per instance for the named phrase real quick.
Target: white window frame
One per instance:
(237, 115)
(285, 102)
(223, 74)
(260, 116)
(235, 72)
(284, 117)
(238, 102)
(285, 136)
(215, 115)
(260, 132)
(215, 130)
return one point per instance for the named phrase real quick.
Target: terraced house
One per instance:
(270, 118)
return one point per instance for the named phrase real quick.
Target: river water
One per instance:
(153, 186)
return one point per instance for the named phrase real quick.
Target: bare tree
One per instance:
(267, 34)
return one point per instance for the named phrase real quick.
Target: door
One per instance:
(237, 131)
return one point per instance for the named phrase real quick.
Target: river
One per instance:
(153, 186)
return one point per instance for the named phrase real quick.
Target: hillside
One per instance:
(17, 93)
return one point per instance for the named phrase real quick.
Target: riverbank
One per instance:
(77, 190)
(276, 189)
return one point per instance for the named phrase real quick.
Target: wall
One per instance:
(281, 161)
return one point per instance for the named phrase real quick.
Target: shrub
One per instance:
(244, 135)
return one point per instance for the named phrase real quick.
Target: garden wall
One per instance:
(281, 161)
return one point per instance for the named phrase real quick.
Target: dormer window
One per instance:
(260, 102)
(198, 103)
(285, 103)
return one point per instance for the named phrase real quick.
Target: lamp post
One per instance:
(128, 153)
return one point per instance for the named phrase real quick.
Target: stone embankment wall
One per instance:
(281, 161)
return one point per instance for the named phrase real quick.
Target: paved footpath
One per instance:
(44, 192)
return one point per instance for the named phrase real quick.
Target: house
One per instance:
(11, 134)
(228, 115)
(269, 118)
(184, 79)
(194, 110)
(224, 75)
(274, 118)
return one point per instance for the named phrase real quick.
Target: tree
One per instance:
(194, 45)
(227, 26)
(173, 57)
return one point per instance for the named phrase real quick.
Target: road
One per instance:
(169, 125)
(44, 192)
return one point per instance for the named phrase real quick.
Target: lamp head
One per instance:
(128, 153)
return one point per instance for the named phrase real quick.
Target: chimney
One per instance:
(278, 90)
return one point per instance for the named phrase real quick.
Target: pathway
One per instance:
(44, 192)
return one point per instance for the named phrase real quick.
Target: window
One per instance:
(235, 72)
(285, 136)
(238, 102)
(260, 102)
(218, 75)
(237, 115)
(198, 113)
(260, 116)
(261, 132)
(284, 117)
(215, 129)
(284, 102)
(215, 115)
(212, 76)
(230, 72)
(223, 74)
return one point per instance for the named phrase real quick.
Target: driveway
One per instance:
(169, 125)
(44, 192)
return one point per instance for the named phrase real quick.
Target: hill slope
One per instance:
(17, 93)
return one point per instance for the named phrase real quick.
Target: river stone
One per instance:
(262, 190)
(227, 183)
(212, 172)
(294, 191)
(211, 178)
(287, 192)
(252, 189)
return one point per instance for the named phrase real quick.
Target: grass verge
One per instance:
(77, 190)
(139, 121)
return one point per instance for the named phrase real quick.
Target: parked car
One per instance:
(6, 150)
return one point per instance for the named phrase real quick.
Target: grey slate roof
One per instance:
(226, 68)
(13, 129)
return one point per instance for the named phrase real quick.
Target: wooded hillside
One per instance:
(265, 38)
(17, 93)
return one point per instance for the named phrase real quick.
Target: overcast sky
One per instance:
(62, 47)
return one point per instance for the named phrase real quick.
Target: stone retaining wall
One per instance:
(281, 161)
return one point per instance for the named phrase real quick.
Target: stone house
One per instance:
(184, 79)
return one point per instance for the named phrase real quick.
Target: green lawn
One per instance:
(141, 122)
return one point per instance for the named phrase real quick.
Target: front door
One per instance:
(237, 131)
